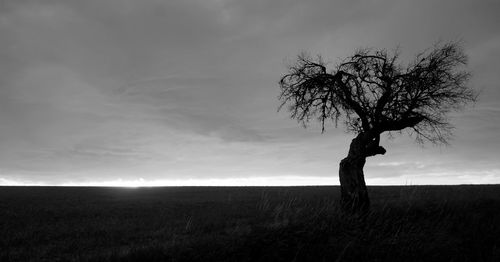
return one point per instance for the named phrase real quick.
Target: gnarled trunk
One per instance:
(354, 195)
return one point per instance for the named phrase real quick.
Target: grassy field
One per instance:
(408, 223)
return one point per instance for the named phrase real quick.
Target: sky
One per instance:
(184, 92)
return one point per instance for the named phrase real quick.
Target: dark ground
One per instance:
(406, 223)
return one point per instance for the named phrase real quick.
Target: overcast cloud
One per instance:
(182, 92)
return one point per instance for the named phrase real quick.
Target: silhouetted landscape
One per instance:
(406, 223)
(238, 130)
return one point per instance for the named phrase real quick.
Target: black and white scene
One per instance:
(239, 130)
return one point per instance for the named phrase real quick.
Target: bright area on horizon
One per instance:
(184, 92)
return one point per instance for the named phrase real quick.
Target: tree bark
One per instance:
(354, 194)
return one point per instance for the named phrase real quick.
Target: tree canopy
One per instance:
(373, 92)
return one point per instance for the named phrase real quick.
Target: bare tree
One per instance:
(371, 92)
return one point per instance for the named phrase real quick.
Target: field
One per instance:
(407, 223)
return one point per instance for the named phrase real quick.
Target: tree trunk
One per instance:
(354, 195)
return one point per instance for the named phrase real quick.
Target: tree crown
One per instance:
(372, 92)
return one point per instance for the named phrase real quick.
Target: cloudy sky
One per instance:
(184, 92)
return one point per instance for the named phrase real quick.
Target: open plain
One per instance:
(406, 223)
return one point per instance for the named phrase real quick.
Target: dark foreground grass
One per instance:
(409, 223)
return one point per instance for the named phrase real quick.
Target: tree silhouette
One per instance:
(371, 92)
